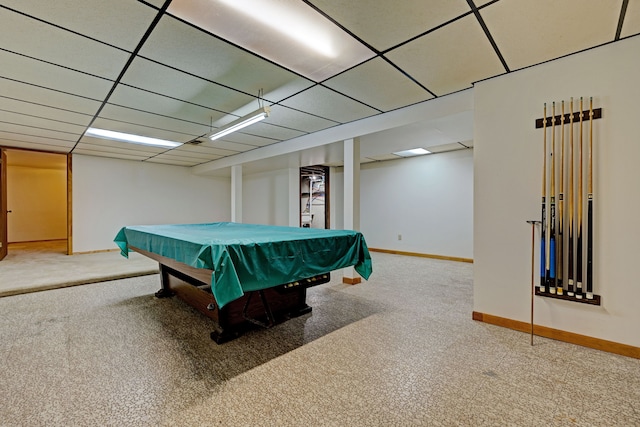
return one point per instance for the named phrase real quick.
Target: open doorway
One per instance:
(314, 197)
(37, 205)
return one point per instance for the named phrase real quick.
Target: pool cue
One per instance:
(544, 261)
(590, 207)
(570, 253)
(579, 236)
(560, 241)
(552, 219)
(533, 242)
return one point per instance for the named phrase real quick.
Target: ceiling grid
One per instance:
(177, 69)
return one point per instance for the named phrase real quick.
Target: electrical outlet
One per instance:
(399, 236)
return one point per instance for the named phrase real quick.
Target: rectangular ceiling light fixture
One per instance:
(412, 152)
(249, 119)
(133, 139)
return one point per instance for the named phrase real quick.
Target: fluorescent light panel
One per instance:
(412, 152)
(242, 122)
(133, 139)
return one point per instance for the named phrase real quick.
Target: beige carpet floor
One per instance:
(38, 266)
(400, 349)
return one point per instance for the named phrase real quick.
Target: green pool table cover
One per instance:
(249, 257)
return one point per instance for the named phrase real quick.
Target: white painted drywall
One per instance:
(426, 200)
(265, 198)
(508, 179)
(109, 194)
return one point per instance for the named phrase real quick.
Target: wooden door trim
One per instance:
(69, 205)
(4, 238)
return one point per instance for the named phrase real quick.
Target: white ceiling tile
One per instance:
(247, 139)
(157, 3)
(100, 153)
(157, 78)
(631, 24)
(267, 130)
(384, 24)
(173, 155)
(287, 89)
(44, 112)
(205, 150)
(116, 113)
(118, 22)
(58, 46)
(8, 137)
(199, 156)
(451, 58)
(287, 117)
(47, 97)
(145, 101)
(29, 130)
(39, 123)
(228, 145)
(182, 46)
(326, 103)
(380, 85)
(52, 77)
(171, 161)
(166, 100)
(236, 22)
(533, 31)
(9, 143)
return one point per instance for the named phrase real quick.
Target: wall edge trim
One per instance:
(422, 255)
(560, 335)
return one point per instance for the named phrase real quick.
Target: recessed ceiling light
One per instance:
(134, 139)
(412, 152)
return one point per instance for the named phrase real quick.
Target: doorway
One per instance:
(314, 197)
(36, 212)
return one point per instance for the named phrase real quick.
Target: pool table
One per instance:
(243, 275)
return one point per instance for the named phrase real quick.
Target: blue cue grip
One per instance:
(552, 258)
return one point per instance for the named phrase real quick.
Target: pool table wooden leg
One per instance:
(165, 291)
(221, 336)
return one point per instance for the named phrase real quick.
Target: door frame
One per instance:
(323, 171)
(4, 239)
(3, 199)
(69, 205)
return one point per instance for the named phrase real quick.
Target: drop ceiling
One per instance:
(177, 69)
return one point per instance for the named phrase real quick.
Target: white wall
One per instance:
(109, 194)
(427, 199)
(265, 198)
(37, 198)
(508, 175)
